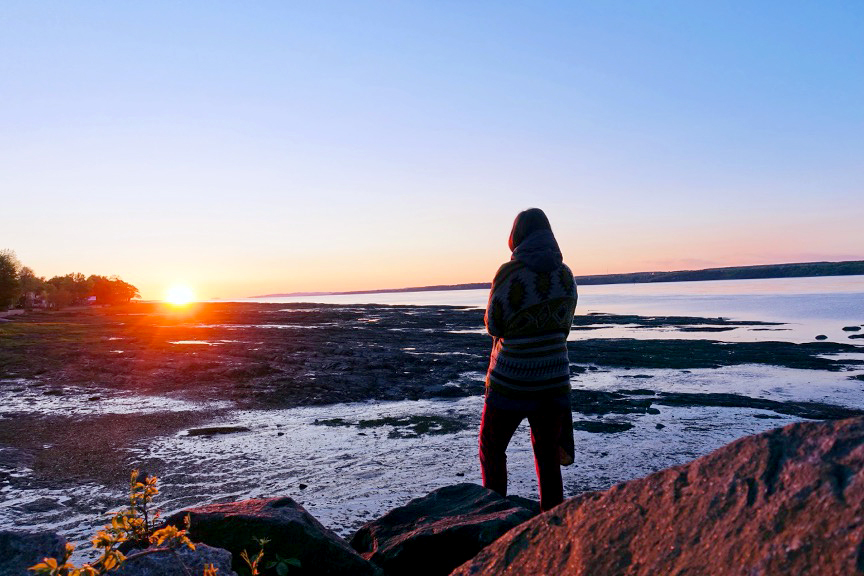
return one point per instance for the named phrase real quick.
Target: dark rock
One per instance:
(637, 392)
(41, 505)
(331, 422)
(659, 426)
(788, 501)
(851, 328)
(689, 354)
(302, 486)
(212, 430)
(168, 563)
(292, 531)
(856, 336)
(434, 534)
(598, 402)
(449, 391)
(532, 505)
(816, 410)
(821, 337)
(602, 427)
(857, 377)
(20, 550)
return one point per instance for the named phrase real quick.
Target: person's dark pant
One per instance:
(496, 430)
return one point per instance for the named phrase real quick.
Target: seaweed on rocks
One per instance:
(215, 430)
(677, 354)
(810, 410)
(642, 401)
(598, 402)
(602, 426)
(411, 426)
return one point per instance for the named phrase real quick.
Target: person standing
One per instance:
(529, 314)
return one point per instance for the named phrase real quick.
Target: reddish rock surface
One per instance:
(788, 501)
(432, 535)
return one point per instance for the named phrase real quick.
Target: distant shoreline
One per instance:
(797, 270)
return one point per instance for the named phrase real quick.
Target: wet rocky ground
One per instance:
(208, 393)
(267, 356)
(278, 355)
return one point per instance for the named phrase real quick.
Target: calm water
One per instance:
(808, 306)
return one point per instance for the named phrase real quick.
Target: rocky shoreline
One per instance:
(787, 501)
(266, 356)
(131, 380)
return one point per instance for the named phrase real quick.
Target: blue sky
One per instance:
(261, 147)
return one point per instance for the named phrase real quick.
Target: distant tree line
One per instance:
(19, 286)
(798, 270)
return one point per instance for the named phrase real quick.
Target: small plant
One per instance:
(280, 564)
(252, 562)
(283, 565)
(135, 524)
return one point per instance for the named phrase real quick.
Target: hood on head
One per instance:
(526, 222)
(533, 243)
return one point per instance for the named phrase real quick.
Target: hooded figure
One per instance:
(530, 311)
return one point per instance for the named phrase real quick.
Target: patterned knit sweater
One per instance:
(529, 316)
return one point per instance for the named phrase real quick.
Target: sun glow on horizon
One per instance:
(179, 295)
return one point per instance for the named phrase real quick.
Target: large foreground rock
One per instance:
(291, 530)
(434, 534)
(168, 563)
(789, 501)
(20, 550)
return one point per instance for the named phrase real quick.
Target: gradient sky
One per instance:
(257, 147)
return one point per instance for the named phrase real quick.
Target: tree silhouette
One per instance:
(10, 269)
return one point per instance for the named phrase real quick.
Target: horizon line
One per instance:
(486, 285)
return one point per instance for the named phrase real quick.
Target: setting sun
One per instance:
(179, 294)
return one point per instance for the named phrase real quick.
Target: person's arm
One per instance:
(494, 308)
(574, 292)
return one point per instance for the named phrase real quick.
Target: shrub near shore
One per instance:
(135, 525)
